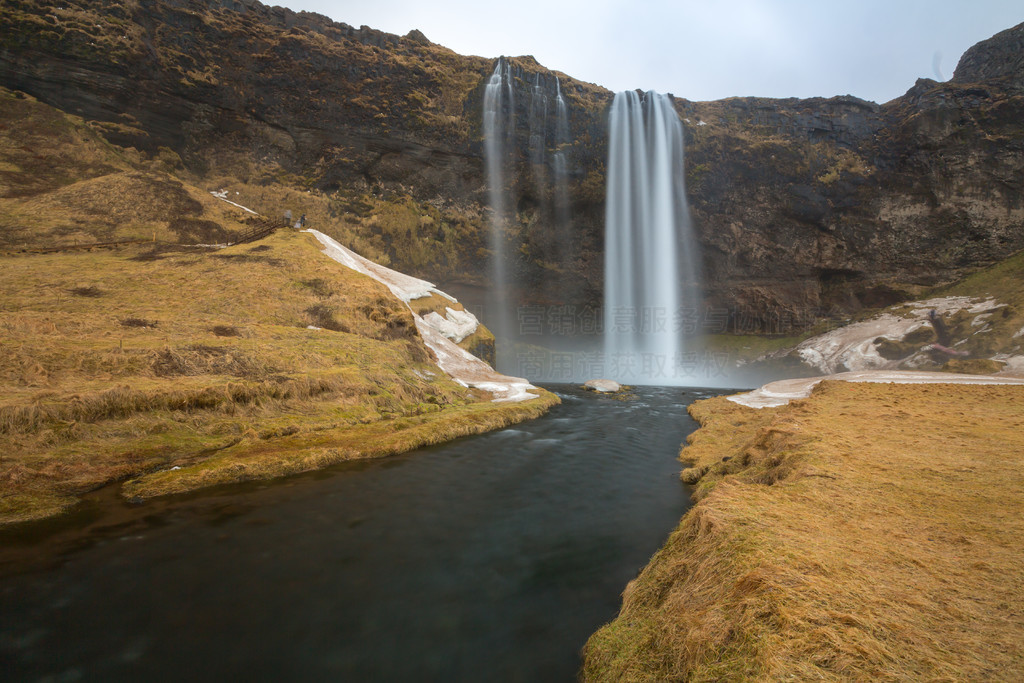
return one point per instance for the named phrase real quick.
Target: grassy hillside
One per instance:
(121, 365)
(869, 532)
(62, 183)
(172, 366)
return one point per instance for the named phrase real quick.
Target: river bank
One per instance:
(170, 368)
(489, 558)
(868, 531)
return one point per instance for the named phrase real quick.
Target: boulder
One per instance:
(603, 386)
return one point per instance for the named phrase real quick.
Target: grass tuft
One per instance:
(90, 291)
(137, 322)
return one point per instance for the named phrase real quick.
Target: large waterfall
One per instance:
(650, 291)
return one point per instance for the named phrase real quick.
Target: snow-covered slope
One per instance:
(855, 347)
(439, 334)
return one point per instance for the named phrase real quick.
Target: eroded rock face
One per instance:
(803, 207)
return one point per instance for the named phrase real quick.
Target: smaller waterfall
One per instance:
(498, 128)
(650, 271)
(538, 121)
(563, 216)
(538, 143)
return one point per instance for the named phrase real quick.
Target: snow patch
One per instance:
(853, 348)
(782, 392)
(980, 320)
(403, 286)
(456, 325)
(1013, 365)
(952, 304)
(223, 196)
(462, 366)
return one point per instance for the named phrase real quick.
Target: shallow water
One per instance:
(489, 558)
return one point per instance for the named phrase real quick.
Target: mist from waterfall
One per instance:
(650, 298)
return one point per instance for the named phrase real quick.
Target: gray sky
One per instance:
(874, 49)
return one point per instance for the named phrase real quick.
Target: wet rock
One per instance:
(603, 386)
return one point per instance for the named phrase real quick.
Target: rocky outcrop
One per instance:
(803, 208)
(998, 59)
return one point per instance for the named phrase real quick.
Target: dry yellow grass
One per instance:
(125, 364)
(869, 532)
(62, 183)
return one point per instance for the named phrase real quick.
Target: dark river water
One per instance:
(491, 558)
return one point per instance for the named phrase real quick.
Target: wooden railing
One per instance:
(259, 228)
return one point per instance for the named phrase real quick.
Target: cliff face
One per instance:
(826, 205)
(803, 207)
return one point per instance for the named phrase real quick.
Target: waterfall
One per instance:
(563, 218)
(538, 143)
(650, 269)
(538, 122)
(498, 129)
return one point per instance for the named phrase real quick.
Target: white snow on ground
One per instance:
(456, 325)
(462, 366)
(782, 392)
(403, 286)
(852, 347)
(1014, 364)
(223, 196)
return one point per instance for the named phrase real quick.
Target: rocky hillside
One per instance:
(803, 207)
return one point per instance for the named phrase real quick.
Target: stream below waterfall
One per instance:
(489, 558)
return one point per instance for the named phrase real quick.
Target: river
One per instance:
(489, 558)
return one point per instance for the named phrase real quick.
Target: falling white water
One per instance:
(538, 143)
(538, 123)
(563, 216)
(650, 274)
(498, 127)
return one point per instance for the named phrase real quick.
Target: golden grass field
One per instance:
(869, 532)
(121, 365)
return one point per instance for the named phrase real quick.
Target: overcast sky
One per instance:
(874, 49)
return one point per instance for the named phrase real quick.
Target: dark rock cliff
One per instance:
(803, 207)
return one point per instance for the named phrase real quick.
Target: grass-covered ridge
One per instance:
(181, 368)
(870, 532)
(62, 183)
